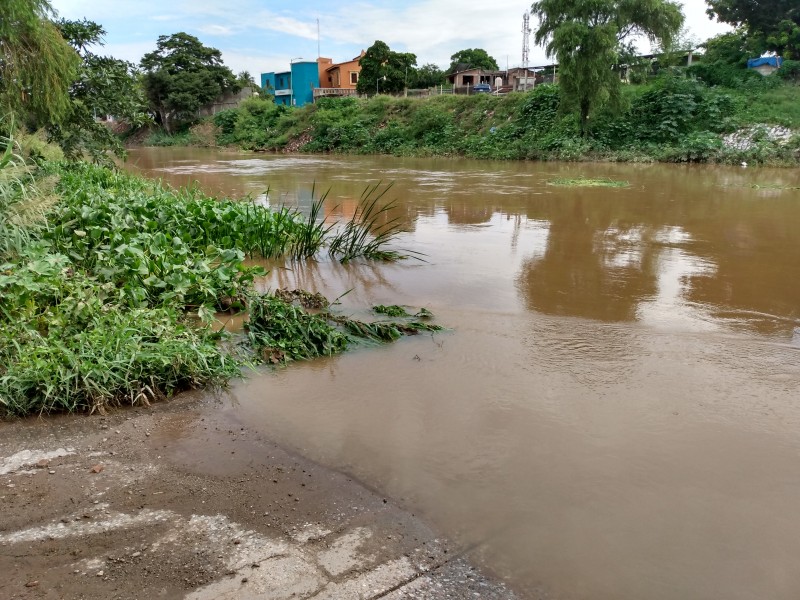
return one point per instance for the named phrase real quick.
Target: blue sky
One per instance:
(263, 35)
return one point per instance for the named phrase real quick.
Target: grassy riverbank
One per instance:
(109, 283)
(673, 118)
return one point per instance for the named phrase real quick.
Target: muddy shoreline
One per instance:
(182, 501)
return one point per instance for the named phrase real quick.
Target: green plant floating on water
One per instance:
(587, 182)
(398, 311)
(391, 311)
(280, 330)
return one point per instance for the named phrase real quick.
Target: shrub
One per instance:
(790, 71)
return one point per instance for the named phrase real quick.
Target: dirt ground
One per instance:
(177, 501)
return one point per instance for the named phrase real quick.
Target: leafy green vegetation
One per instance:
(181, 75)
(282, 330)
(108, 285)
(391, 311)
(675, 117)
(384, 70)
(369, 231)
(36, 65)
(585, 38)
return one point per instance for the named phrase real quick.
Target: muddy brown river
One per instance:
(615, 413)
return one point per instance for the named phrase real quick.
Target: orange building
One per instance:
(340, 78)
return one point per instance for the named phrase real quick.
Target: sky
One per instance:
(264, 35)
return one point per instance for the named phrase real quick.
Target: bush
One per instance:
(790, 71)
(723, 74)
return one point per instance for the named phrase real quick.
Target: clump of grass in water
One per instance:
(587, 182)
(315, 232)
(369, 231)
(280, 330)
(394, 310)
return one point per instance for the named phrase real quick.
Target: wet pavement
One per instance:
(111, 507)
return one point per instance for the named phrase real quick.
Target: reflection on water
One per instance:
(613, 416)
(700, 246)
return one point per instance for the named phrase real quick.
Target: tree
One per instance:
(585, 37)
(36, 65)
(182, 75)
(426, 76)
(472, 58)
(245, 80)
(731, 48)
(776, 22)
(383, 70)
(103, 86)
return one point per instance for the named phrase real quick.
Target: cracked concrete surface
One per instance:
(180, 502)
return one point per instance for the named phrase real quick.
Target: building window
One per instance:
(353, 77)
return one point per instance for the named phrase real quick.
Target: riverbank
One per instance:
(672, 119)
(109, 284)
(183, 500)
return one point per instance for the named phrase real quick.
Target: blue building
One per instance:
(294, 87)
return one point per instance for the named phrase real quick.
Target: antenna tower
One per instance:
(526, 39)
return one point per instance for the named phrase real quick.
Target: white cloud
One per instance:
(287, 25)
(257, 38)
(216, 30)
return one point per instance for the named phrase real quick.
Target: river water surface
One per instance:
(615, 413)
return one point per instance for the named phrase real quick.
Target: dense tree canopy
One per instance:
(732, 48)
(36, 65)
(776, 23)
(585, 36)
(427, 76)
(472, 58)
(182, 75)
(384, 71)
(103, 86)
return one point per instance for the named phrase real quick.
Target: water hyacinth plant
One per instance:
(103, 276)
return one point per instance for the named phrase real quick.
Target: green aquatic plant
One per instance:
(280, 330)
(99, 301)
(314, 234)
(587, 182)
(391, 311)
(371, 229)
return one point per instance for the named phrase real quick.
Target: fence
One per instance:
(225, 102)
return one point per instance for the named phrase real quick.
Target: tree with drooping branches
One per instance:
(585, 37)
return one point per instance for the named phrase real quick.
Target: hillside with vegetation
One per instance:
(706, 114)
(716, 110)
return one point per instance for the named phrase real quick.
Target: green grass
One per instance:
(778, 106)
